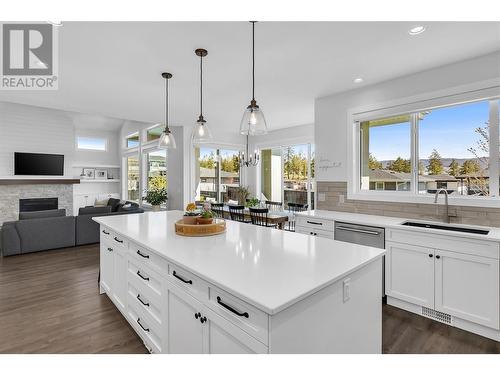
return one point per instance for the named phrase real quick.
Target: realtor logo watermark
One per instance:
(29, 56)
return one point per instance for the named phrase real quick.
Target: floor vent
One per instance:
(437, 315)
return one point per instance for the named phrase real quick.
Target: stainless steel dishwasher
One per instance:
(362, 235)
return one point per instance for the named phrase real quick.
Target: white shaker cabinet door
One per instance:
(120, 278)
(185, 331)
(467, 286)
(409, 273)
(106, 267)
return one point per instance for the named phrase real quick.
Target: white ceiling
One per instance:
(113, 68)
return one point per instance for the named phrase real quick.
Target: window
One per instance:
(132, 140)
(156, 169)
(385, 153)
(287, 174)
(153, 134)
(91, 144)
(218, 174)
(133, 192)
(441, 148)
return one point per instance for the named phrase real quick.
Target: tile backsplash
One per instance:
(336, 200)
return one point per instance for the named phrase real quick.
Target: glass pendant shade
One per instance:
(201, 133)
(253, 121)
(167, 140)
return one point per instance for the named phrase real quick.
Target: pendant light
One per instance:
(201, 132)
(253, 121)
(167, 139)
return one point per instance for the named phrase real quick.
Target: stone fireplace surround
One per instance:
(11, 193)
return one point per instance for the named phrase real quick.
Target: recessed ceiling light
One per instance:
(416, 30)
(358, 80)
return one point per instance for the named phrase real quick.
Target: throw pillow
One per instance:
(101, 203)
(113, 202)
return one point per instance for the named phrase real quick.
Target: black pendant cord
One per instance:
(167, 130)
(253, 60)
(201, 86)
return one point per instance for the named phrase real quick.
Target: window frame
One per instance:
(413, 106)
(144, 171)
(78, 137)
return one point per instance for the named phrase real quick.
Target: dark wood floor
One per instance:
(50, 303)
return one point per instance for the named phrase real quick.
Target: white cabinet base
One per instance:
(455, 322)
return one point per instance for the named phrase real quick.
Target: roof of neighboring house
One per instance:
(385, 175)
(210, 173)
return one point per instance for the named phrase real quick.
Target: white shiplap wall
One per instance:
(34, 129)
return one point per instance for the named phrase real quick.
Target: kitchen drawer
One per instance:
(250, 319)
(314, 232)
(111, 237)
(144, 279)
(188, 281)
(462, 245)
(147, 258)
(146, 329)
(319, 224)
(148, 302)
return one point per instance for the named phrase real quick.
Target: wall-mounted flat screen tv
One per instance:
(27, 164)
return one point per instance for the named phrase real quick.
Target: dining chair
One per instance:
(293, 208)
(274, 206)
(237, 213)
(259, 216)
(218, 210)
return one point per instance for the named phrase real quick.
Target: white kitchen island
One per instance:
(249, 290)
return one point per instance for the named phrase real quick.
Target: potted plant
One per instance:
(191, 214)
(206, 217)
(156, 197)
(252, 202)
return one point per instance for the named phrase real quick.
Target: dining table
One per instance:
(274, 217)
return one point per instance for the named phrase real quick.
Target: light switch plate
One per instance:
(347, 289)
(321, 197)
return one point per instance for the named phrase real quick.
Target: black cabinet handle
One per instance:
(232, 309)
(142, 277)
(141, 301)
(142, 255)
(117, 240)
(139, 322)
(103, 231)
(430, 255)
(182, 279)
(110, 249)
(438, 256)
(314, 222)
(197, 315)
(203, 320)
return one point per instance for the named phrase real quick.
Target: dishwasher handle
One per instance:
(364, 231)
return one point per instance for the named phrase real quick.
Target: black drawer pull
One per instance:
(181, 279)
(430, 255)
(438, 256)
(142, 277)
(314, 222)
(139, 322)
(232, 309)
(142, 255)
(110, 249)
(141, 301)
(203, 320)
(117, 240)
(103, 231)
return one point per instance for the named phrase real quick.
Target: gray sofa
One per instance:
(52, 229)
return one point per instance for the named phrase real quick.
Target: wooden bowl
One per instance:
(204, 221)
(191, 220)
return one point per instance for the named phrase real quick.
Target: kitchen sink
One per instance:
(445, 227)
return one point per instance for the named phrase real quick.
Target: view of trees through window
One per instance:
(218, 171)
(453, 149)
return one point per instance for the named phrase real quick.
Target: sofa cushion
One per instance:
(89, 210)
(46, 233)
(113, 203)
(101, 203)
(41, 214)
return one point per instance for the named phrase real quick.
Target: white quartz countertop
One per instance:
(268, 268)
(396, 223)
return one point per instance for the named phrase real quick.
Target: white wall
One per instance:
(330, 130)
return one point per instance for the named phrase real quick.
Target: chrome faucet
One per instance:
(446, 216)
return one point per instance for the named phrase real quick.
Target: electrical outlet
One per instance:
(347, 290)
